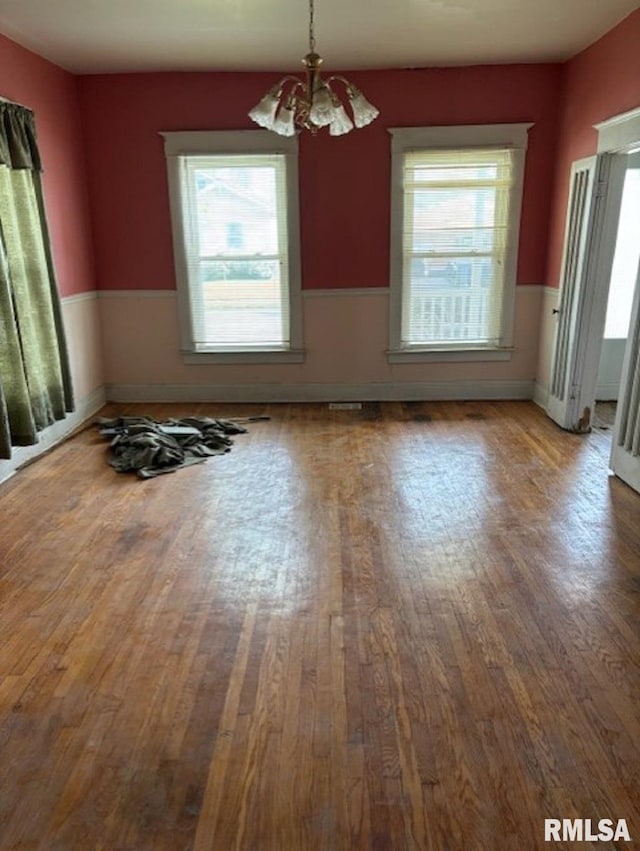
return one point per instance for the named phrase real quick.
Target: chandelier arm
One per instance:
(297, 94)
(349, 86)
(290, 78)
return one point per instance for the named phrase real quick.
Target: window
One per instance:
(235, 228)
(456, 194)
(235, 235)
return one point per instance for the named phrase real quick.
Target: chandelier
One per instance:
(294, 104)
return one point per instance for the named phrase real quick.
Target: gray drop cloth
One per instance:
(151, 447)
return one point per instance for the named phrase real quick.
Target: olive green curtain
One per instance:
(35, 383)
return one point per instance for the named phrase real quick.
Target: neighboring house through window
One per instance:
(234, 209)
(456, 197)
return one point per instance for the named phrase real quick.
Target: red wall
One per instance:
(344, 182)
(600, 82)
(53, 95)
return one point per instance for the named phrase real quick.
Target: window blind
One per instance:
(456, 229)
(236, 247)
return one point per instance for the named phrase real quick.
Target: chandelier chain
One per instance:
(312, 38)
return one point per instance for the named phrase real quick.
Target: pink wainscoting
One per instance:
(600, 82)
(53, 95)
(346, 336)
(344, 182)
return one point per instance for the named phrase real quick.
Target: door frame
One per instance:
(617, 137)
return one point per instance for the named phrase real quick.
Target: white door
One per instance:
(592, 223)
(625, 452)
(575, 240)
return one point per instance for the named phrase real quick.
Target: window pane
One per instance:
(452, 301)
(238, 256)
(241, 301)
(456, 173)
(453, 219)
(451, 273)
(237, 210)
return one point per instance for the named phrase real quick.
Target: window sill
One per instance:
(448, 355)
(240, 356)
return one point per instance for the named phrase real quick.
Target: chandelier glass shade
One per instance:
(296, 104)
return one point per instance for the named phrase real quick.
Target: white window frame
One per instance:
(181, 145)
(406, 139)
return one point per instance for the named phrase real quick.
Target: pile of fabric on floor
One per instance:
(151, 447)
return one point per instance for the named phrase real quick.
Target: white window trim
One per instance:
(214, 142)
(404, 139)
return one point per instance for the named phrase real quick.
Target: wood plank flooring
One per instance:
(410, 627)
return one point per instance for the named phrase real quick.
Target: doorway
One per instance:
(587, 271)
(620, 298)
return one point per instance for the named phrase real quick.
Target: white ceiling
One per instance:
(93, 36)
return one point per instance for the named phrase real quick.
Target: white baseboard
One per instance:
(374, 392)
(540, 395)
(608, 392)
(56, 433)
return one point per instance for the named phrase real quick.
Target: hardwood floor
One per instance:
(410, 627)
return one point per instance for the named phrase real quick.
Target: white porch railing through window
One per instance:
(450, 317)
